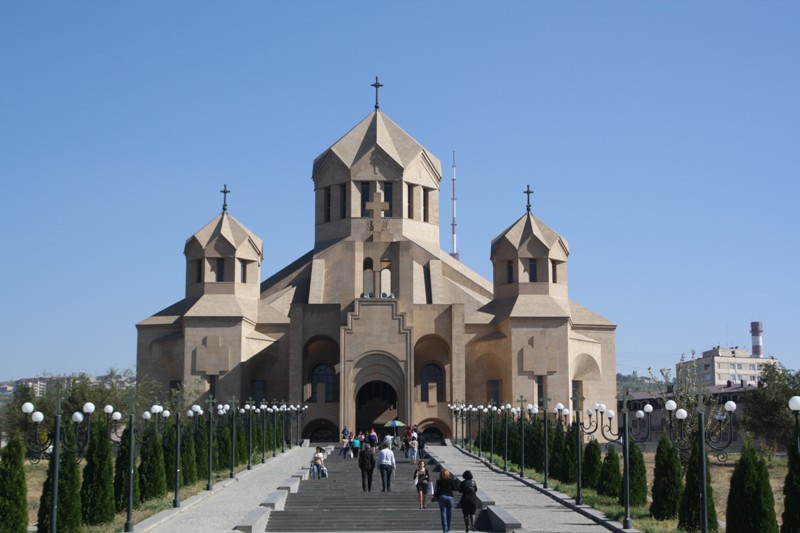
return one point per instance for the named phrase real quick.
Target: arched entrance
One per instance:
(376, 404)
(321, 430)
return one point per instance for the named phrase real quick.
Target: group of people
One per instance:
(444, 492)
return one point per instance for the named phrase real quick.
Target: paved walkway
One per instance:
(221, 509)
(537, 511)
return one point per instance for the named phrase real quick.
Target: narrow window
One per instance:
(220, 269)
(432, 374)
(327, 208)
(554, 275)
(388, 194)
(258, 389)
(577, 393)
(532, 270)
(541, 392)
(343, 201)
(198, 271)
(242, 271)
(425, 206)
(364, 198)
(369, 278)
(510, 272)
(322, 374)
(493, 390)
(410, 202)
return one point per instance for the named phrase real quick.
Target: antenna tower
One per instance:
(454, 253)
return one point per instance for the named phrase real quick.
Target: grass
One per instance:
(640, 516)
(35, 475)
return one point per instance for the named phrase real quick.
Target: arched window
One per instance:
(322, 374)
(369, 278)
(432, 374)
(386, 278)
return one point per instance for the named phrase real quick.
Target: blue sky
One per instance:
(662, 140)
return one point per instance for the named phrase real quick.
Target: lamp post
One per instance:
(155, 411)
(491, 444)
(249, 407)
(232, 408)
(469, 413)
(262, 409)
(507, 410)
(794, 405)
(546, 424)
(211, 403)
(581, 430)
(626, 435)
(481, 411)
(521, 412)
(274, 411)
(683, 443)
(40, 441)
(283, 428)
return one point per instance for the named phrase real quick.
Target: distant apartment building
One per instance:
(39, 385)
(724, 366)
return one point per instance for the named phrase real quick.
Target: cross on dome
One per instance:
(377, 86)
(528, 191)
(225, 192)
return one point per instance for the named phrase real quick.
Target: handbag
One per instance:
(430, 489)
(323, 471)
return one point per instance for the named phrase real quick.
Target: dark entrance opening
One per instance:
(321, 431)
(376, 404)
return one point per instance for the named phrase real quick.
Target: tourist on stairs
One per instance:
(366, 462)
(423, 480)
(446, 485)
(469, 500)
(386, 465)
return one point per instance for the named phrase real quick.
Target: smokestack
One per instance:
(756, 331)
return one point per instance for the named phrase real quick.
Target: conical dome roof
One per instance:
(224, 228)
(376, 130)
(526, 232)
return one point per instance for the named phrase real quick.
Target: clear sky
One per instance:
(662, 140)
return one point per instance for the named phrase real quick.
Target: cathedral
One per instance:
(377, 322)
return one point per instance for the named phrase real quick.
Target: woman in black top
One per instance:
(423, 479)
(469, 500)
(446, 485)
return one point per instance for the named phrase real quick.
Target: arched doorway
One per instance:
(376, 404)
(321, 430)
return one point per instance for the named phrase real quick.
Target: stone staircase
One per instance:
(337, 503)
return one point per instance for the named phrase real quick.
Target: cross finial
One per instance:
(377, 206)
(528, 192)
(377, 86)
(225, 192)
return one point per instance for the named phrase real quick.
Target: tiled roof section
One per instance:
(227, 227)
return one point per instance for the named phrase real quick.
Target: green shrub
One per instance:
(667, 481)
(97, 489)
(556, 452)
(13, 489)
(69, 490)
(188, 455)
(610, 476)
(638, 478)
(751, 506)
(592, 462)
(569, 455)
(122, 468)
(152, 478)
(791, 492)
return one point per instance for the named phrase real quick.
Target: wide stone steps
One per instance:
(337, 503)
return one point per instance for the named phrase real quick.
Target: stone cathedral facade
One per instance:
(377, 322)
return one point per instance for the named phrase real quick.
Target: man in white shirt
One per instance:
(386, 465)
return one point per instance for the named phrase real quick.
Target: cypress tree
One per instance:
(556, 452)
(592, 461)
(97, 490)
(152, 478)
(791, 492)
(69, 490)
(610, 476)
(667, 481)
(13, 489)
(224, 443)
(689, 516)
(569, 455)
(201, 448)
(638, 478)
(121, 473)
(168, 451)
(241, 439)
(188, 455)
(751, 506)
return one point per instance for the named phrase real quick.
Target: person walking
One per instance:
(446, 485)
(423, 479)
(412, 449)
(317, 462)
(469, 500)
(366, 462)
(386, 465)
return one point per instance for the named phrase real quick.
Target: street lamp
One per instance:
(581, 430)
(507, 410)
(275, 409)
(794, 405)
(283, 428)
(521, 412)
(481, 411)
(683, 443)
(546, 424)
(491, 443)
(40, 441)
(262, 409)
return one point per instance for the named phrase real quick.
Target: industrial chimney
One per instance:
(756, 331)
